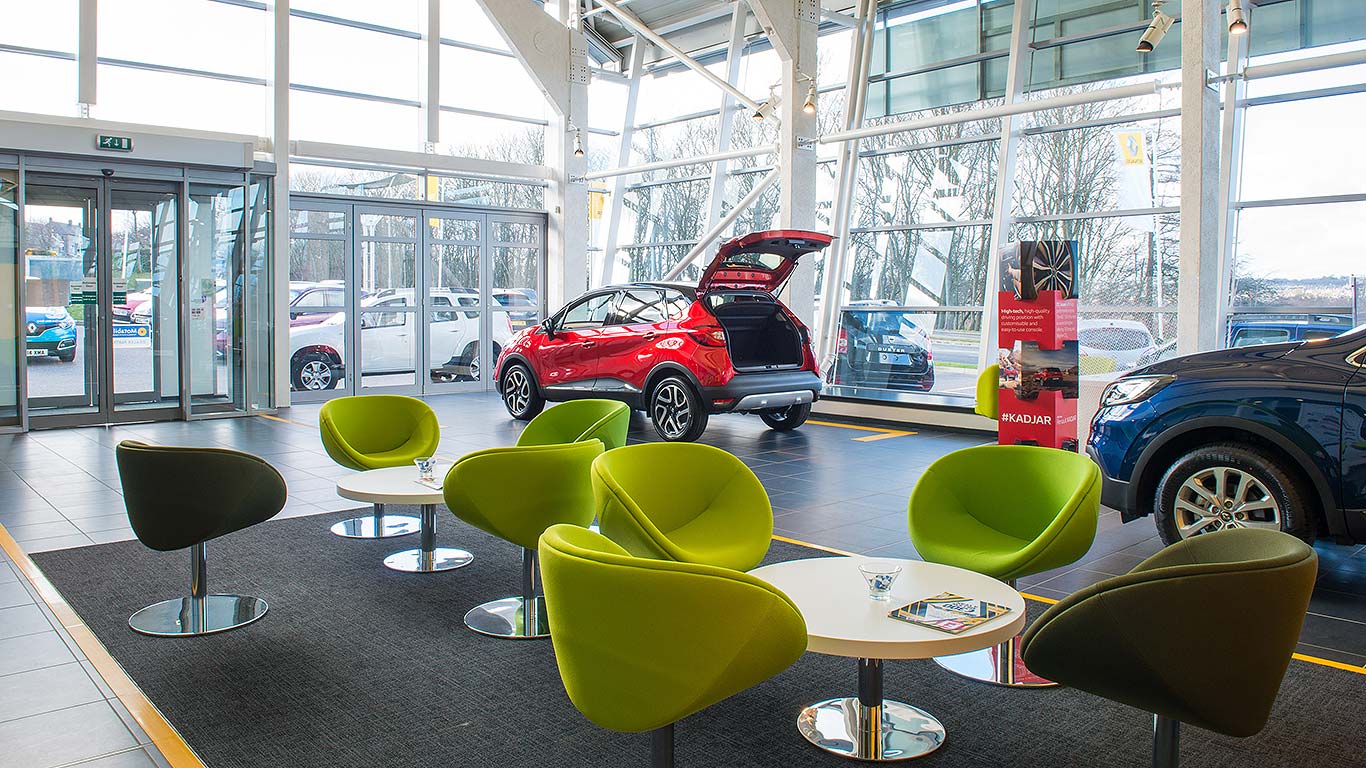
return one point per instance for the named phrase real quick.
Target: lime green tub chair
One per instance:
(1005, 511)
(1201, 633)
(579, 421)
(373, 432)
(643, 643)
(515, 494)
(989, 392)
(683, 501)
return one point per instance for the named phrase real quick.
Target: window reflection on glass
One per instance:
(9, 255)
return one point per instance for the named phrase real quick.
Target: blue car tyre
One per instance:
(1221, 486)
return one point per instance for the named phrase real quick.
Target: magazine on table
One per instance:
(949, 613)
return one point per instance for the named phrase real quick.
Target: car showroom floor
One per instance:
(836, 486)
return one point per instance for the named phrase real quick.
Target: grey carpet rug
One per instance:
(359, 666)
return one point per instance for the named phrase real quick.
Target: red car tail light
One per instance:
(709, 336)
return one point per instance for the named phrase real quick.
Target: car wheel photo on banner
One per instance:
(1039, 356)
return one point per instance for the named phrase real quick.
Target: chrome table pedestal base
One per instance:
(512, 617)
(377, 526)
(870, 727)
(189, 616)
(428, 558)
(998, 665)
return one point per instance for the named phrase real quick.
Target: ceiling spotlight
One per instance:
(1237, 18)
(810, 106)
(578, 144)
(1157, 29)
(764, 110)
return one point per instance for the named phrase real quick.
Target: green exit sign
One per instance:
(117, 143)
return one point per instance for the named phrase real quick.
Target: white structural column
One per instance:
(846, 177)
(734, 52)
(86, 55)
(556, 58)
(1230, 170)
(279, 193)
(1003, 216)
(1198, 295)
(616, 203)
(791, 27)
(431, 73)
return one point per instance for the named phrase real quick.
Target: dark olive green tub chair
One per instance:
(1200, 633)
(178, 498)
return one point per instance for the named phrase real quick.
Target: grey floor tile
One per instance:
(86, 511)
(118, 534)
(30, 652)
(13, 593)
(44, 690)
(26, 533)
(103, 523)
(63, 737)
(1074, 579)
(1342, 657)
(140, 757)
(22, 620)
(30, 514)
(58, 542)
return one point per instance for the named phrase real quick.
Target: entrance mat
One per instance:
(358, 665)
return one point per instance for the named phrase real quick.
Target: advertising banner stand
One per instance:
(1037, 339)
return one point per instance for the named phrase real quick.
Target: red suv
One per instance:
(679, 352)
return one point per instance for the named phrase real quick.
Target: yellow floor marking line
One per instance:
(882, 432)
(888, 434)
(1050, 601)
(165, 737)
(286, 421)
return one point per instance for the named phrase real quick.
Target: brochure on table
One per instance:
(1037, 339)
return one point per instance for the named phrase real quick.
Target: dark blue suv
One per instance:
(1270, 436)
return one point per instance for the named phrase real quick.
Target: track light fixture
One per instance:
(810, 106)
(1237, 18)
(765, 109)
(578, 143)
(1157, 29)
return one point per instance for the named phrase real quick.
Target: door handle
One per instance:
(588, 344)
(651, 336)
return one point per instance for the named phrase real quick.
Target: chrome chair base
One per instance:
(514, 618)
(428, 561)
(893, 731)
(190, 616)
(998, 665)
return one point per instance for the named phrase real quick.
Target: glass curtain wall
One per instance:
(480, 273)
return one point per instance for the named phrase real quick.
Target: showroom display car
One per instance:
(389, 336)
(1269, 436)
(679, 352)
(882, 348)
(50, 332)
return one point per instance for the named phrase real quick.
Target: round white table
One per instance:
(399, 485)
(842, 620)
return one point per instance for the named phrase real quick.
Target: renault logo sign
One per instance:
(32, 329)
